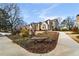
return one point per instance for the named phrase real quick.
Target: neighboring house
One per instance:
(38, 27)
(77, 21)
(55, 24)
(51, 24)
(46, 25)
(68, 24)
(33, 26)
(64, 25)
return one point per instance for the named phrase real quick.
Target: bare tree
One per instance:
(70, 23)
(14, 13)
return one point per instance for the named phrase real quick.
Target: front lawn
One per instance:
(74, 35)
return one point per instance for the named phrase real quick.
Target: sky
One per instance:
(36, 12)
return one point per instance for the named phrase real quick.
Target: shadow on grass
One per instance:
(73, 33)
(77, 37)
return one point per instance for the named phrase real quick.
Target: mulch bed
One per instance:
(39, 47)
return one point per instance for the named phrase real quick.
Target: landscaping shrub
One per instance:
(15, 32)
(24, 32)
(75, 29)
(18, 39)
(21, 41)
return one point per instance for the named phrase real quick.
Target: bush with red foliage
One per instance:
(75, 29)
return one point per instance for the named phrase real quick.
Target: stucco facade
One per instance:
(45, 25)
(77, 21)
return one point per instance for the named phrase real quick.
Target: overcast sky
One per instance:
(43, 11)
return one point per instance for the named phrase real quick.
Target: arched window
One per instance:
(44, 26)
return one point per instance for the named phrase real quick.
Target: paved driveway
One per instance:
(8, 48)
(65, 46)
